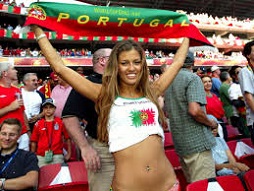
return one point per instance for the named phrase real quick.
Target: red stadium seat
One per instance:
(174, 160)
(168, 143)
(78, 174)
(247, 141)
(247, 159)
(227, 183)
(232, 145)
(249, 179)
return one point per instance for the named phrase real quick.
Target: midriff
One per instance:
(143, 167)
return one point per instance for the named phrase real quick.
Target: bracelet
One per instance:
(3, 181)
(41, 36)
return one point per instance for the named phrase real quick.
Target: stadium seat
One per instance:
(247, 159)
(249, 179)
(168, 143)
(227, 183)
(232, 144)
(174, 160)
(78, 180)
(247, 141)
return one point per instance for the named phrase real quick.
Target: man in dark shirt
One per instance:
(18, 168)
(98, 160)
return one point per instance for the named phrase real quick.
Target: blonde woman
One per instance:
(129, 114)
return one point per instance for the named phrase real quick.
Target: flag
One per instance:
(82, 20)
(47, 90)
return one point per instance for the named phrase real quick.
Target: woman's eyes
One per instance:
(135, 63)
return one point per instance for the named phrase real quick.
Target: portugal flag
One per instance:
(139, 23)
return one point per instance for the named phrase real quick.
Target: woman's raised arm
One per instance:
(168, 76)
(79, 83)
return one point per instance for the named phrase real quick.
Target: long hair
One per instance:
(110, 86)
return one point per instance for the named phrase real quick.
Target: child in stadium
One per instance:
(47, 137)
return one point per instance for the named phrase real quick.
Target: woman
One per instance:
(214, 106)
(128, 113)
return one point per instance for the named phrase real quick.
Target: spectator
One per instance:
(225, 162)
(185, 102)
(35, 53)
(11, 103)
(237, 100)
(47, 137)
(1, 51)
(224, 96)
(201, 71)
(60, 94)
(216, 83)
(32, 99)
(246, 79)
(19, 169)
(51, 83)
(214, 106)
(80, 70)
(163, 68)
(126, 94)
(79, 107)
(6, 51)
(9, 27)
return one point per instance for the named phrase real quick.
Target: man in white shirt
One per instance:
(246, 79)
(32, 98)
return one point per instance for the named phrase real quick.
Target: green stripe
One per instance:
(109, 38)
(96, 38)
(53, 35)
(150, 39)
(141, 39)
(114, 14)
(83, 38)
(8, 33)
(24, 35)
(119, 38)
(10, 9)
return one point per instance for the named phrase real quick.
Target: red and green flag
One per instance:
(139, 23)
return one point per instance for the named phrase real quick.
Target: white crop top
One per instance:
(131, 121)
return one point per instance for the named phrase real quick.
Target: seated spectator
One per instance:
(19, 168)
(225, 162)
(47, 137)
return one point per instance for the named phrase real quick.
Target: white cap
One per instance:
(213, 68)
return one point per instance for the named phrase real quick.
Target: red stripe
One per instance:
(14, 35)
(17, 10)
(1, 32)
(30, 35)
